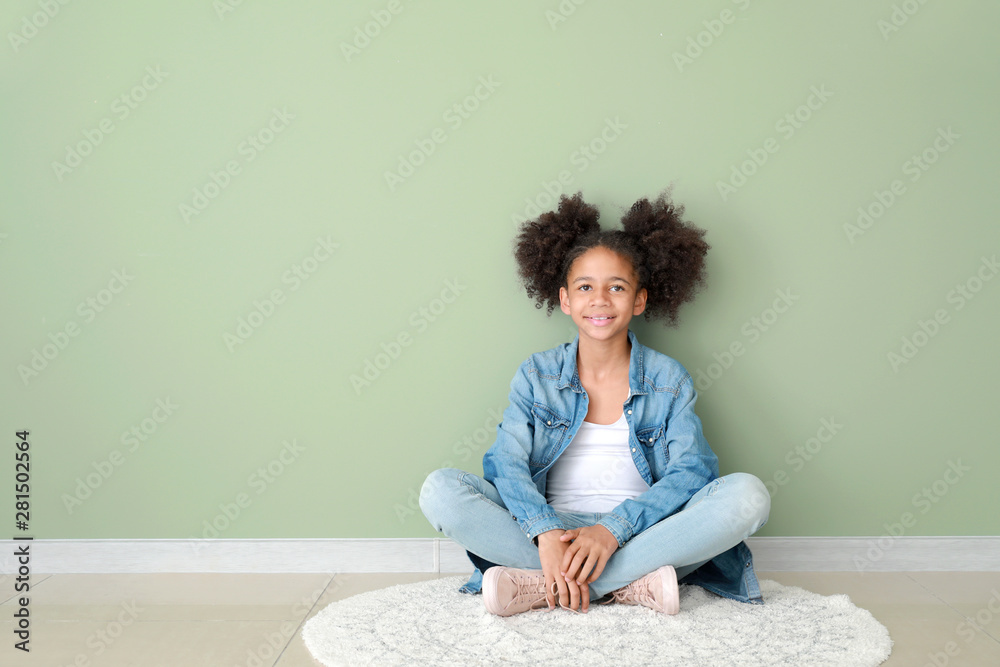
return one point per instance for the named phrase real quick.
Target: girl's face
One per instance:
(601, 296)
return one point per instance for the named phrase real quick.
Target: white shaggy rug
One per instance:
(431, 623)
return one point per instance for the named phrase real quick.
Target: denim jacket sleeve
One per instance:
(506, 464)
(691, 464)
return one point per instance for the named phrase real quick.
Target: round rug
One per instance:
(431, 623)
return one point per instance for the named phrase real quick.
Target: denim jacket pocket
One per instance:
(653, 442)
(550, 431)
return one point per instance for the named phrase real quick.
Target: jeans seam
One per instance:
(476, 492)
(711, 492)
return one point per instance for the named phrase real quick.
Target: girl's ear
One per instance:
(564, 300)
(640, 302)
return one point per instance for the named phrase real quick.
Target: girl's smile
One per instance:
(601, 295)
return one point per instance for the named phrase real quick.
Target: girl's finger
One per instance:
(568, 558)
(573, 571)
(571, 563)
(564, 593)
(597, 570)
(585, 568)
(574, 595)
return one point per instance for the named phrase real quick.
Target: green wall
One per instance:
(200, 247)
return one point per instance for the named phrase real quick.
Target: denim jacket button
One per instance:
(633, 449)
(651, 440)
(550, 422)
(630, 412)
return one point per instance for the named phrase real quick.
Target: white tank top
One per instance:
(596, 471)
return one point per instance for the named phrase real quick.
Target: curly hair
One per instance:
(666, 253)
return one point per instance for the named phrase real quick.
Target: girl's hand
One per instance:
(550, 552)
(586, 557)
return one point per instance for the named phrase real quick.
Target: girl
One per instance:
(600, 483)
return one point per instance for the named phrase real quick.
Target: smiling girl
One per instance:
(600, 483)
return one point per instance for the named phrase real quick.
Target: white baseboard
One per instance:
(771, 554)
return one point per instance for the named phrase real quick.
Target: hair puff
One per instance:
(673, 255)
(542, 245)
(667, 254)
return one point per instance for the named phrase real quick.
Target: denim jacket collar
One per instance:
(571, 377)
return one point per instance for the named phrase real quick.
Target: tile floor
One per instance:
(255, 620)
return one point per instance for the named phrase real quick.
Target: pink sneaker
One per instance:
(508, 591)
(657, 590)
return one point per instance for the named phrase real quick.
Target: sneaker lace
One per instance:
(556, 592)
(639, 591)
(529, 587)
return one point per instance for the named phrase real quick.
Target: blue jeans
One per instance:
(469, 510)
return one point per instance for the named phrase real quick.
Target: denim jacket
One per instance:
(547, 406)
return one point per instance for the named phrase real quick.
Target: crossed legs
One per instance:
(469, 510)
